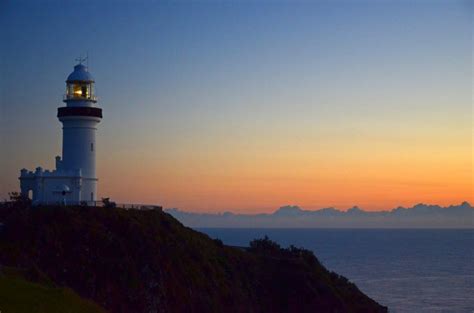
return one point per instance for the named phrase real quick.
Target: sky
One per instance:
(246, 106)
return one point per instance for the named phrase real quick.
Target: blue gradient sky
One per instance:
(250, 105)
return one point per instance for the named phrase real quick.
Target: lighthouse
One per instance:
(74, 181)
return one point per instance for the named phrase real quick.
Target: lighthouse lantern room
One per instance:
(74, 181)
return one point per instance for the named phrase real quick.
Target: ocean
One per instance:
(408, 270)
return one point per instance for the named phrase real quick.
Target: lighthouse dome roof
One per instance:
(80, 73)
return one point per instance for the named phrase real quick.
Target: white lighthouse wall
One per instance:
(79, 146)
(50, 190)
(89, 190)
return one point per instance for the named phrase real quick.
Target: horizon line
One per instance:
(323, 208)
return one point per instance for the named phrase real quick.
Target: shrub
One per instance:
(108, 204)
(264, 245)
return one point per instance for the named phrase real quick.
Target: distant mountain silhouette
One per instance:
(418, 216)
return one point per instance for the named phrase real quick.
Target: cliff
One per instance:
(146, 261)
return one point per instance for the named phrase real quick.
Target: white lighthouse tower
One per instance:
(80, 118)
(74, 180)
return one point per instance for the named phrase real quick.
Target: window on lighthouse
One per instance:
(78, 90)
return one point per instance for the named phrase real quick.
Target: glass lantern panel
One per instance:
(78, 90)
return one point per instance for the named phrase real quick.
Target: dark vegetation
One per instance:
(108, 204)
(146, 261)
(26, 291)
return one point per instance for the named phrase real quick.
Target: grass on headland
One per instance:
(19, 295)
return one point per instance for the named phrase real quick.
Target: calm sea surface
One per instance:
(406, 270)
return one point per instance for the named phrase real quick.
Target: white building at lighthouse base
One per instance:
(59, 186)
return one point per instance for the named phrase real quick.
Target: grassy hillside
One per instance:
(20, 295)
(146, 261)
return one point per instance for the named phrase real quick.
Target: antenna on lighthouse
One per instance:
(80, 59)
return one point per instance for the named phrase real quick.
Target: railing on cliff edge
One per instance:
(100, 203)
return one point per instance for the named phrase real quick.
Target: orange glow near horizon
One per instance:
(250, 177)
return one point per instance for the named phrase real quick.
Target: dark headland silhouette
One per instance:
(147, 261)
(418, 216)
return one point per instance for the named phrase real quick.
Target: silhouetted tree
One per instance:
(17, 197)
(264, 245)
